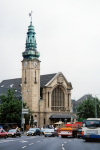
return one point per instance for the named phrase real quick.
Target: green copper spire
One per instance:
(30, 51)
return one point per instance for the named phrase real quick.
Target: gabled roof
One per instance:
(61, 74)
(17, 83)
(44, 79)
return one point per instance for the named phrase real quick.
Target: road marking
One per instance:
(23, 141)
(31, 137)
(31, 143)
(63, 147)
(24, 146)
(5, 141)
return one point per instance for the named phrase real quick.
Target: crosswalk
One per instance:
(6, 140)
(15, 139)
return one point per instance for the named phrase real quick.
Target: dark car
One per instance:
(33, 131)
(79, 133)
(3, 133)
(50, 132)
(14, 133)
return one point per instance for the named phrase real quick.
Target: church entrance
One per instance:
(60, 118)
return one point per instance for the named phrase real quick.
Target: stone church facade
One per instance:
(49, 101)
(48, 97)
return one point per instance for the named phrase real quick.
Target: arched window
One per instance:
(57, 99)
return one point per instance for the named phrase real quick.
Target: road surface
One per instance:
(47, 143)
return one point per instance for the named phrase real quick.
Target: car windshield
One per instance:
(92, 123)
(32, 129)
(13, 130)
(80, 130)
(2, 130)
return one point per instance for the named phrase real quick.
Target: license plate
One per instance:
(65, 132)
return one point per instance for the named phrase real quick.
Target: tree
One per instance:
(89, 108)
(10, 108)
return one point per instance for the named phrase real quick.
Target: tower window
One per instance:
(68, 100)
(41, 93)
(25, 78)
(35, 78)
(48, 99)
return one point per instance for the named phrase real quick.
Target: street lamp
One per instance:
(24, 111)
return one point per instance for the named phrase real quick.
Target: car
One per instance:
(3, 133)
(33, 131)
(43, 130)
(50, 133)
(14, 133)
(79, 133)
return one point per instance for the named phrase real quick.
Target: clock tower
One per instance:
(31, 73)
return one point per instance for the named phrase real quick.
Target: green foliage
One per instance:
(89, 108)
(10, 108)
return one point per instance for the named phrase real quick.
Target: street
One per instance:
(47, 143)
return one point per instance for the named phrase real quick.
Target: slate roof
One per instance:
(44, 79)
(17, 83)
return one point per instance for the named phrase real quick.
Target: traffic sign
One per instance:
(25, 111)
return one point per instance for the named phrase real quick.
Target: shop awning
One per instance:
(62, 116)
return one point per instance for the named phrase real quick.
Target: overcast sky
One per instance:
(68, 39)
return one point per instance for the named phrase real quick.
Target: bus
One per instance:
(91, 129)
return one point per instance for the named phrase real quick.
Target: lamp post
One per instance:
(24, 111)
(22, 117)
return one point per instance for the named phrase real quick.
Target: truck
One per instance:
(70, 129)
(91, 129)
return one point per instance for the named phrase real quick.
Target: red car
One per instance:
(3, 133)
(14, 133)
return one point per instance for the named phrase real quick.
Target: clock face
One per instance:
(35, 64)
(25, 64)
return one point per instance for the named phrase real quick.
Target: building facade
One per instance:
(48, 96)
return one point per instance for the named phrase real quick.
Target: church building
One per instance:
(48, 97)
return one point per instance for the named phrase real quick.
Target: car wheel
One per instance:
(5, 137)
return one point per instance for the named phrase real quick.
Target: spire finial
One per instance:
(30, 15)
(31, 46)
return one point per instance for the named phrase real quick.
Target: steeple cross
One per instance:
(30, 15)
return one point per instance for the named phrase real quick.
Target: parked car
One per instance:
(43, 130)
(14, 133)
(50, 132)
(33, 131)
(3, 133)
(79, 133)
